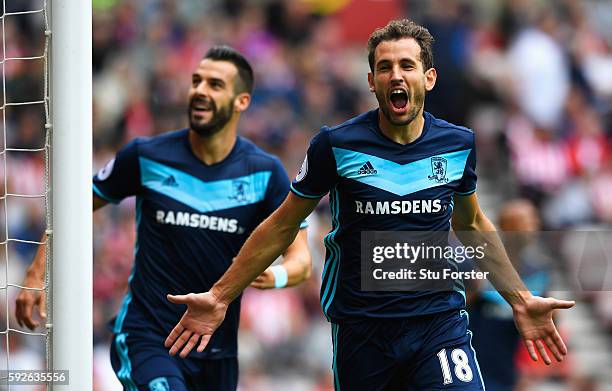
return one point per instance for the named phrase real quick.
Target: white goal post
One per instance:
(71, 239)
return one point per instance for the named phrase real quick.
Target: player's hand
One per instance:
(534, 321)
(264, 281)
(28, 300)
(203, 316)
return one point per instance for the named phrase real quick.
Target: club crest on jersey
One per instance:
(159, 384)
(438, 170)
(239, 190)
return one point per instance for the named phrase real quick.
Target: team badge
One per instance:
(105, 172)
(159, 384)
(438, 170)
(303, 170)
(239, 190)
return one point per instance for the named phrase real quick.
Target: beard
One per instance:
(220, 117)
(415, 101)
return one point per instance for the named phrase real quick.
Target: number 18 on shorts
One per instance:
(431, 352)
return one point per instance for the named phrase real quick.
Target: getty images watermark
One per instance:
(406, 255)
(442, 261)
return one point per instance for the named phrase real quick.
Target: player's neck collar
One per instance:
(374, 117)
(235, 148)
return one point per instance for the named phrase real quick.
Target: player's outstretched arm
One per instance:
(296, 266)
(533, 315)
(206, 311)
(28, 300)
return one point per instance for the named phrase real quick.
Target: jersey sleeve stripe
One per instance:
(300, 194)
(332, 264)
(466, 193)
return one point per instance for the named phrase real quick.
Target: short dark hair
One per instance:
(398, 29)
(229, 54)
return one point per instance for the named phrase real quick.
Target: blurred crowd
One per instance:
(532, 78)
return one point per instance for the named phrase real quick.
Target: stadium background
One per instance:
(532, 78)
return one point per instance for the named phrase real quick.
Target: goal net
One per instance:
(24, 168)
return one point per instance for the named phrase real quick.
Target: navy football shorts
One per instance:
(432, 352)
(142, 364)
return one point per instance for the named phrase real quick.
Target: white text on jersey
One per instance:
(398, 207)
(196, 220)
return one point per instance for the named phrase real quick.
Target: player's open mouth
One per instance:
(399, 99)
(201, 106)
